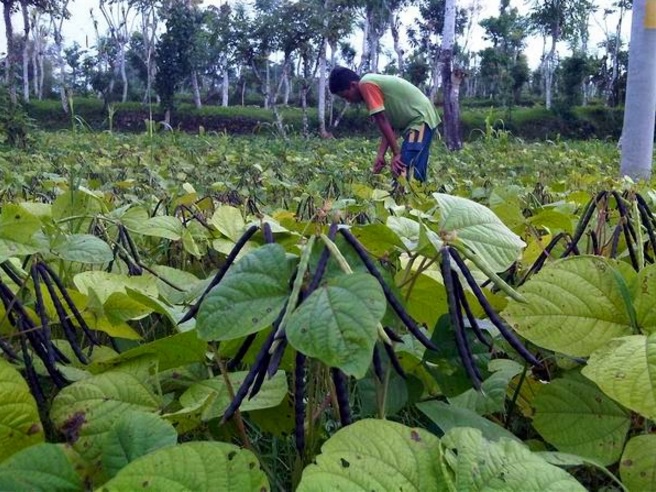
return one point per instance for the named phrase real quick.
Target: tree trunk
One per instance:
(640, 105)
(26, 50)
(196, 88)
(450, 80)
(225, 86)
(398, 49)
(124, 75)
(321, 108)
(9, 67)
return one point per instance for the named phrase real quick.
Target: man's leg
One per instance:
(415, 150)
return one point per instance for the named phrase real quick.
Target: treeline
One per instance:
(274, 53)
(478, 121)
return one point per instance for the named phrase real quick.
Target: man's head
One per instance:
(343, 82)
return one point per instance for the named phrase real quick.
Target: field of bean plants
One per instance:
(207, 312)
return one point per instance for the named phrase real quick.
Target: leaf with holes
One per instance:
(574, 306)
(39, 468)
(377, 455)
(20, 426)
(197, 466)
(576, 417)
(625, 369)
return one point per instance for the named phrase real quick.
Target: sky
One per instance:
(80, 28)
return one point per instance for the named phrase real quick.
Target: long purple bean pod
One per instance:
(456, 319)
(505, 331)
(342, 393)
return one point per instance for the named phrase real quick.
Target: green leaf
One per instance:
(645, 293)
(406, 229)
(505, 465)
(39, 468)
(338, 322)
(163, 226)
(173, 351)
(104, 284)
(625, 369)
(377, 238)
(447, 417)
(271, 394)
(86, 410)
(479, 229)
(250, 296)
(20, 426)
(133, 435)
(194, 466)
(574, 306)
(229, 222)
(376, 455)
(638, 463)
(576, 417)
(492, 397)
(83, 248)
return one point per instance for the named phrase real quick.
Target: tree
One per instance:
(451, 79)
(558, 20)
(175, 54)
(640, 105)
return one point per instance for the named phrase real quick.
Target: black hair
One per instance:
(340, 79)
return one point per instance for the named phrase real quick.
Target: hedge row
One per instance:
(536, 123)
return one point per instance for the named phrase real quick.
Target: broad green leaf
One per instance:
(20, 426)
(553, 221)
(120, 307)
(376, 455)
(173, 351)
(86, 410)
(638, 463)
(478, 228)
(133, 435)
(406, 229)
(504, 465)
(492, 397)
(574, 306)
(104, 284)
(229, 222)
(576, 417)
(338, 322)
(164, 226)
(173, 313)
(193, 466)
(17, 224)
(447, 417)
(76, 204)
(39, 468)
(83, 248)
(271, 394)
(625, 369)
(644, 295)
(250, 296)
(377, 238)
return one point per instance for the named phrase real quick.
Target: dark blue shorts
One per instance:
(415, 150)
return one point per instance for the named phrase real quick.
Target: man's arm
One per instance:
(388, 141)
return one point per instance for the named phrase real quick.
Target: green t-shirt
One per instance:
(405, 105)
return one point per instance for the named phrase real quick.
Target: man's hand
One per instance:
(398, 167)
(379, 165)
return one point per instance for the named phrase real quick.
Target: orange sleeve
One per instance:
(373, 97)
